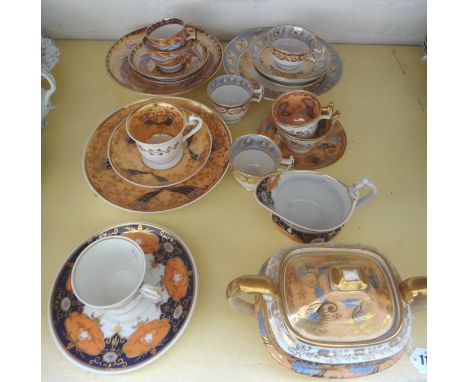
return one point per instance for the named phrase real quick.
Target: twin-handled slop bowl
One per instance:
(308, 206)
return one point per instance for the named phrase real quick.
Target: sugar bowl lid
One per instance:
(338, 295)
(334, 295)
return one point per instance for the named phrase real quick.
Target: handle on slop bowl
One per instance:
(354, 190)
(48, 93)
(191, 120)
(248, 285)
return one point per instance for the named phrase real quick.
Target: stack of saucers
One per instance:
(169, 52)
(283, 58)
(290, 55)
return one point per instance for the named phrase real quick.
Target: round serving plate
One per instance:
(107, 344)
(115, 190)
(119, 68)
(324, 154)
(237, 60)
(125, 159)
(141, 62)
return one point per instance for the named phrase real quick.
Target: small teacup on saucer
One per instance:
(231, 96)
(298, 112)
(108, 276)
(254, 156)
(157, 128)
(292, 45)
(168, 35)
(302, 145)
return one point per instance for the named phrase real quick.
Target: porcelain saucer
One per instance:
(113, 189)
(237, 60)
(142, 63)
(126, 161)
(106, 344)
(118, 66)
(307, 72)
(324, 154)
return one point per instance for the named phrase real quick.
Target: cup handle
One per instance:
(248, 285)
(191, 120)
(327, 111)
(366, 198)
(191, 31)
(51, 90)
(312, 57)
(257, 93)
(152, 292)
(287, 162)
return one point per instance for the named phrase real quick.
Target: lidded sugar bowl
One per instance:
(331, 310)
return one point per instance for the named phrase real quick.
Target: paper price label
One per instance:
(419, 359)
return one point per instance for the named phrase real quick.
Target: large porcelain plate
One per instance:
(106, 344)
(237, 60)
(142, 63)
(118, 66)
(120, 193)
(126, 161)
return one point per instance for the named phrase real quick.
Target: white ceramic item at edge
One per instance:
(108, 276)
(313, 202)
(161, 156)
(46, 105)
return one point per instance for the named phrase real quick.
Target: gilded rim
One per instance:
(84, 366)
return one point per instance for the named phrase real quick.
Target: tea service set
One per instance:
(127, 293)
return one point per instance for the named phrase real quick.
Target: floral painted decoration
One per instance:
(84, 333)
(148, 241)
(146, 337)
(175, 278)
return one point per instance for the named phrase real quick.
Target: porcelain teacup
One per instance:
(302, 145)
(292, 45)
(168, 35)
(157, 128)
(298, 113)
(108, 275)
(253, 156)
(231, 96)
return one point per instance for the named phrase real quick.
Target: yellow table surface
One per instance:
(382, 99)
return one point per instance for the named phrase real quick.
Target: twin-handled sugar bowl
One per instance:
(309, 206)
(331, 310)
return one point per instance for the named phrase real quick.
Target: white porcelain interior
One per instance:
(230, 95)
(109, 272)
(255, 155)
(163, 151)
(313, 201)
